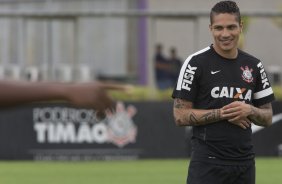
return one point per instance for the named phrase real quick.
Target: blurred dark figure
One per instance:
(175, 63)
(162, 69)
(92, 95)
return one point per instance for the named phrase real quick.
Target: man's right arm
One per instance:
(185, 115)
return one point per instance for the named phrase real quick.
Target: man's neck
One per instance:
(230, 54)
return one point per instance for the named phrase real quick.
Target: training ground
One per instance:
(118, 172)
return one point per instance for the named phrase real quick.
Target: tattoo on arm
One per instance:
(193, 119)
(184, 114)
(206, 118)
(262, 116)
(212, 116)
(180, 104)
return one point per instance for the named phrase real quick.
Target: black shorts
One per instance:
(209, 173)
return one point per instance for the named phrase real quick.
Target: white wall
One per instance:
(97, 42)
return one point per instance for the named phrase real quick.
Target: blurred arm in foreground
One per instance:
(86, 95)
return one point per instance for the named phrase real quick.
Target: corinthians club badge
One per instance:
(247, 74)
(121, 129)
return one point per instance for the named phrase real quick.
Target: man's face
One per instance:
(226, 31)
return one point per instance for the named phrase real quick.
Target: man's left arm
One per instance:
(261, 116)
(237, 111)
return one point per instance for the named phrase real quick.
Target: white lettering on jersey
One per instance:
(184, 67)
(231, 92)
(188, 77)
(264, 79)
(224, 92)
(248, 95)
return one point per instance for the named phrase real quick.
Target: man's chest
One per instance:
(228, 81)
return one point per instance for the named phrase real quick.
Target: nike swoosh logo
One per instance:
(214, 72)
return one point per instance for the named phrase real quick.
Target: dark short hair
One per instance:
(225, 7)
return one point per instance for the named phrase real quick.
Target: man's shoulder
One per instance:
(245, 55)
(199, 55)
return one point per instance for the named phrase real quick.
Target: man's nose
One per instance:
(225, 33)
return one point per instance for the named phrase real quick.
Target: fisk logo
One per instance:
(264, 79)
(231, 92)
(188, 77)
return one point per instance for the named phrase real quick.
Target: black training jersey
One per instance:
(211, 81)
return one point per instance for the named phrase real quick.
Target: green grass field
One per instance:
(269, 171)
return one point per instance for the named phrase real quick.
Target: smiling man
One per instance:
(221, 91)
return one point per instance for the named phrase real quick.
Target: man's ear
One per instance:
(241, 27)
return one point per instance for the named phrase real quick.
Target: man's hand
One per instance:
(237, 113)
(93, 95)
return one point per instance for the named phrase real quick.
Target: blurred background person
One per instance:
(176, 64)
(162, 68)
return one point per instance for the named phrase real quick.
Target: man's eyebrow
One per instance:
(229, 25)
(233, 25)
(217, 26)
